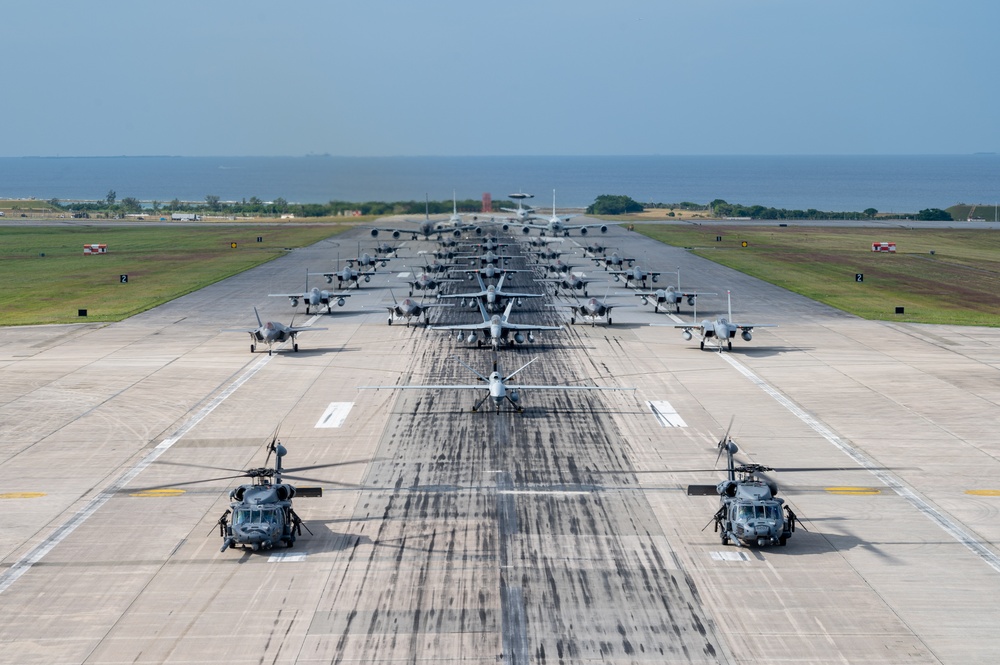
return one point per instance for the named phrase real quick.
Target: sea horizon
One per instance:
(836, 183)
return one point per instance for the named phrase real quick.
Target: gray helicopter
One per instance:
(750, 513)
(262, 515)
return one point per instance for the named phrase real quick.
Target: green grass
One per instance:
(959, 283)
(162, 263)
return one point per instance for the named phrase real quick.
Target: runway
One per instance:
(559, 535)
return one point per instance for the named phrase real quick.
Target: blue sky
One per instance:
(547, 77)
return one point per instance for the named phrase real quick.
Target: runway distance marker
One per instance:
(335, 414)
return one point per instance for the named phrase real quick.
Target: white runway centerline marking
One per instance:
(282, 557)
(335, 414)
(890, 481)
(666, 414)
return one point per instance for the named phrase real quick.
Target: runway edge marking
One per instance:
(24, 564)
(890, 481)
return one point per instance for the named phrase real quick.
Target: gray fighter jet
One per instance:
(496, 329)
(492, 296)
(271, 333)
(720, 329)
(410, 308)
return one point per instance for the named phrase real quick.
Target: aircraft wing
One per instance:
(751, 326)
(297, 330)
(466, 326)
(525, 327)
(520, 387)
(299, 296)
(464, 295)
(480, 386)
(242, 330)
(508, 294)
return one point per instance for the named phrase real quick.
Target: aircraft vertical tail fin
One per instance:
(729, 304)
(255, 313)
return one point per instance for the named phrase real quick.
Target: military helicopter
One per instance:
(750, 513)
(262, 515)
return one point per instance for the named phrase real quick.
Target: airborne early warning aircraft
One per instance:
(495, 386)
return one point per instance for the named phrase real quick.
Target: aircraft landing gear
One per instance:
(609, 320)
(388, 321)
(572, 320)
(729, 346)
(253, 347)
(702, 345)
(295, 348)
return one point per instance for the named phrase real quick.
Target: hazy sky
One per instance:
(460, 77)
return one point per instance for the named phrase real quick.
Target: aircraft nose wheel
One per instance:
(253, 347)
(295, 348)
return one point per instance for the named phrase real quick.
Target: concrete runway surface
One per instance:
(560, 535)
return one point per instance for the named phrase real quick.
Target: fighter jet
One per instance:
(488, 244)
(426, 282)
(570, 282)
(385, 248)
(492, 296)
(348, 275)
(558, 266)
(409, 309)
(491, 271)
(315, 297)
(495, 386)
(496, 328)
(489, 258)
(595, 247)
(365, 259)
(670, 296)
(615, 259)
(720, 329)
(635, 274)
(271, 333)
(547, 254)
(592, 309)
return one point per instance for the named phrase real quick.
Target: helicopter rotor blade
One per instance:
(189, 482)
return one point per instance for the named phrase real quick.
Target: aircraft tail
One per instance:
(259, 322)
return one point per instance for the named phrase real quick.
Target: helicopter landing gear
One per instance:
(783, 541)
(725, 538)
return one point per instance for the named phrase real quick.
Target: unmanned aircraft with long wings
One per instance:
(720, 329)
(496, 329)
(495, 386)
(271, 333)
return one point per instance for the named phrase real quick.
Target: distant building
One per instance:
(185, 217)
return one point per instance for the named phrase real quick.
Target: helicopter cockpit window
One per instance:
(241, 516)
(772, 511)
(745, 512)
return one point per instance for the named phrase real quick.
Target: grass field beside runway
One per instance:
(47, 278)
(936, 275)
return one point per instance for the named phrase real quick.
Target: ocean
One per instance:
(830, 183)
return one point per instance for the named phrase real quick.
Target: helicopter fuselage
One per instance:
(751, 515)
(261, 517)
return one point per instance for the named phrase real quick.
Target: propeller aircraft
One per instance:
(495, 386)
